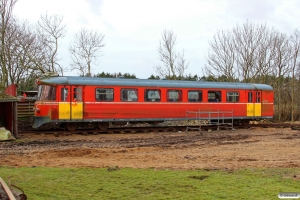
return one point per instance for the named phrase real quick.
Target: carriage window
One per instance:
(194, 95)
(257, 97)
(64, 94)
(174, 95)
(232, 96)
(152, 95)
(214, 96)
(47, 92)
(104, 94)
(249, 97)
(77, 94)
(129, 95)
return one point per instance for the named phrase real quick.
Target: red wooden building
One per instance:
(8, 109)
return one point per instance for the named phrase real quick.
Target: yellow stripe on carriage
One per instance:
(77, 110)
(64, 110)
(253, 109)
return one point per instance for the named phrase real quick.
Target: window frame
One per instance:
(123, 99)
(250, 96)
(179, 99)
(47, 93)
(147, 99)
(200, 96)
(105, 94)
(64, 92)
(77, 94)
(235, 98)
(215, 99)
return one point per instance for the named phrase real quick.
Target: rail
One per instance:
(210, 118)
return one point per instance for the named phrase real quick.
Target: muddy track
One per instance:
(243, 148)
(175, 140)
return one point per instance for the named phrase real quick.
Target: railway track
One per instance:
(123, 130)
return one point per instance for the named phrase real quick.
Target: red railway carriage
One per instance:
(89, 101)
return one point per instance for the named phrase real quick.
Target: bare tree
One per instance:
(221, 57)
(18, 48)
(85, 50)
(20, 51)
(250, 41)
(50, 30)
(6, 8)
(243, 53)
(173, 63)
(182, 65)
(295, 66)
(25, 53)
(27, 63)
(280, 70)
(17, 42)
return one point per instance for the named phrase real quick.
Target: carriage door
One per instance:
(254, 103)
(70, 105)
(76, 104)
(64, 103)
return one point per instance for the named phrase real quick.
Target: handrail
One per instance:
(210, 116)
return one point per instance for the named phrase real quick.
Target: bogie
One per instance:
(102, 126)
(71, 126)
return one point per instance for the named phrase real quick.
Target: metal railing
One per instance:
(209, 118)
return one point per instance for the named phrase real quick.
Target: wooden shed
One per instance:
(8, 110)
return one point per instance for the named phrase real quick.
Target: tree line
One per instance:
(250, 52)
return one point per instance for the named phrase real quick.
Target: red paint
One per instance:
(151, 110)
(11, 90)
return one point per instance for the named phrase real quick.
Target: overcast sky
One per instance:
(133, 28)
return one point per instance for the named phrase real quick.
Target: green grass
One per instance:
(95, 183)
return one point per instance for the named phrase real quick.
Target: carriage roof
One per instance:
(96, 81)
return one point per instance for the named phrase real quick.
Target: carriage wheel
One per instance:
(103, 126)
(71, 126)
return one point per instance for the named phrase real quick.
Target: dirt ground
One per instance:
(257, 147)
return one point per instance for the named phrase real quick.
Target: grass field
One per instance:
(126, 183)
